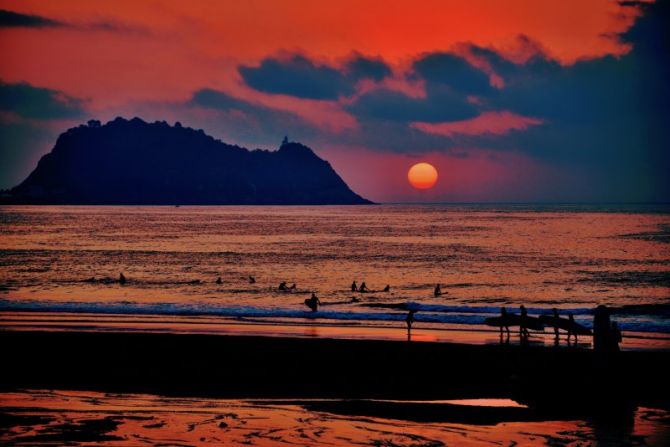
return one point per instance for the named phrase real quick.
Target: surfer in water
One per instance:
(354, 287)
(293, 287)
(438, 291)
(282, 286)
(387, 288)
(122, 279)
(313, 302)
(252, 280)
(363, 288)
(218, 280)
(523, 329)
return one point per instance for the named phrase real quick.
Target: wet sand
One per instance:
(558, 380)
(41, 417)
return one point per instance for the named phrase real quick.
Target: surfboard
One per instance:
(515, 320)
(565, 324)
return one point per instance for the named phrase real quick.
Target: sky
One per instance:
(511, 101)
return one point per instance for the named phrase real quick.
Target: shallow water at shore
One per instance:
(85, 418)
(67, 260)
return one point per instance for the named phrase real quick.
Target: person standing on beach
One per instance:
(504, 322)
(571, 328)
(523, 329)
(409, 319)
(601, 329)
(556, 319)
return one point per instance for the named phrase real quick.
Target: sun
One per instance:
(422, 176)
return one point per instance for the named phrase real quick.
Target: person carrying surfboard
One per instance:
(313, 302)
(504, 321)
(523, 328)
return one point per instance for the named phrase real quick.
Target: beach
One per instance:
(202, 389)
(171, 354)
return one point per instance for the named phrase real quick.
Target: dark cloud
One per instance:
(32, 102)
(11, 19)
(301, 77)
(251, 123)
(454, 71)
(361, 67)
(387, 105)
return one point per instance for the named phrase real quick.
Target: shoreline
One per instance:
(301, 328)
(556, 380)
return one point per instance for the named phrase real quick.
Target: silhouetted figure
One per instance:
(354, 287)
(313, 302)
(504, 321)
(387, 288)
(285, 140)
(601, 329)
(252, 280)
(556, 316)
(523, 329)
(282, 286)
(122, 279)
(293, 287)
(363, 288)
(409, 319)
(571, 328)
(438, 291)
(218, 280)
(615, 337)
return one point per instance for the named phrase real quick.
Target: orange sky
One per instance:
(170, 48)
(147, 58)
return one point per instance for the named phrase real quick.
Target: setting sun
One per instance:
(422, 176)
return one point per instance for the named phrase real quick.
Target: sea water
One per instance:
(67, 259)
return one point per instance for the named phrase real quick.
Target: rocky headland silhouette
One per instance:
(132, 162)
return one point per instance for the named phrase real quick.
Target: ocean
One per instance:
(66, 260)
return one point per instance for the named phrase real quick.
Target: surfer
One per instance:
(409, 319)
(354, 287)
(313, 302)
(557, 318)
(601, 328)
(387, 288)
(218, 280)
(571, 327)
(122, 279)
(438, 291)
(523, 329)
(363, 288)
(282, 286)
(252, 280)
(292, 287)
(504, 321)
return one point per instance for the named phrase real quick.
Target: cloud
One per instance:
(298, 76)
(454, 71)
(11, 19)
(250, 123)
(32, 102)
(488, 123)
(388, 105)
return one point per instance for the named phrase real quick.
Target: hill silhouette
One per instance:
(132, 162)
